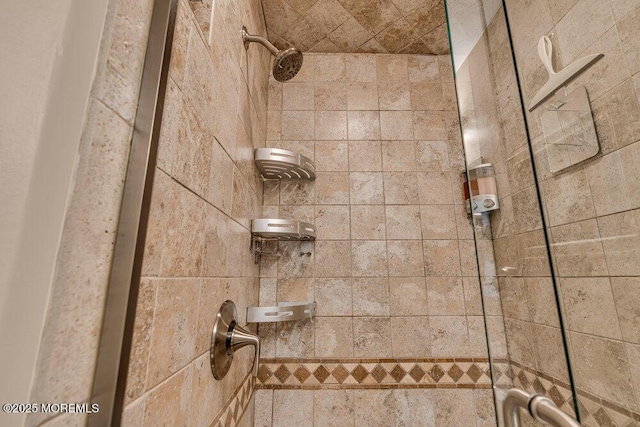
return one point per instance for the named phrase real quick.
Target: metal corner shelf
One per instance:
(276, 163)
(284, 311)
(282, 229)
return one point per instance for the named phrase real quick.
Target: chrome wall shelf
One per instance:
(275, 163)
(282, 229)
(284, 311)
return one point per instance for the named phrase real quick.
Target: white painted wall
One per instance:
(49, 51)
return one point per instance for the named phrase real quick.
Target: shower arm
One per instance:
(248, 38)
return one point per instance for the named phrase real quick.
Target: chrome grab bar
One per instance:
(540, 407)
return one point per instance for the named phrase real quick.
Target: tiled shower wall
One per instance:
(206, 190)
(593, 209)
(590, 209)
(393, 269)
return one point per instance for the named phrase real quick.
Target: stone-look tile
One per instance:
(507, 262)
(331, 156)
(589, 306)
(374, 407)
(132, 415)
(532, 251)
(298, 96)
(333, 297)
(415, 407)
(333, 337)
(263, 407)
(520, 341)
(432, 156)
(349, 36)
(441, 258)
(332, 258)
(394, 96)
(626, 292)
(633, 354)
(295, 339)
(365, 156)
(427, 96)
(204, 389)
(485, 409)
(331, 188)
(549, 346)
(291, 264)
(477, 336)
(364, 125)
(274, 125)
(438, 222)
(172, 340)
(410, 336)
(455, 408)
(284, 400)
(605, 176)
(526, 211)
(496, 335)
(423, 69)
(619, 233)
(446, 296)
(299, 125)
(629, 156)
(392, 68)
(362, 96)
(295, 289)
(330, 68)
(366, 188)
(449, 336)
(468, 260)
(429, 125)
(541, 300)
(371, 297)
(369, 258)
(170, 402)
(616, 115)
(398, 156)
(333, 408)
(577, 249)
(472, 298)
(330, 125)
(139, 356)
(403, 221)
(220, 187)
(435, 188)
(372, 337)
(514, 298)
(213, 293)
(330, 96)
(396, 125)
(408, 296)
(332, 222)
(405, 258)
(368, 222)
(400, 188)
(600, 367)
(573, 37)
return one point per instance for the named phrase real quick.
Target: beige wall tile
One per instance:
(410, 336)
(432, 156)
(435, 188)
(371, 297)
(616, 114)
(331, 188)
(423, 68)
(332, 258)
(333, 337)
(549, 348)
(331, 156)
(368, 222)
(541, 300)
(403, 221)
(414, 407)
(330, 125)
(600, 367)
(295, 339)
(589, 306)
(365, 156)
(400, 188)
(446, 296)
(629, 156)
(472, 298)
(627, 300)
(362, 68)
(455, 407)
(477, 336)
(284, 400)
(374, 406)
(405, 258)
(372, 337)
(369, 258)
(204, 390)
(362, 96)
(408, 296)
(429, 125)
(392, 68)
(429, 96)
(263, 407)
(577, 249)
(513, 298)
(485, 409)
(568, 198)
(334, 297)
(619, 240)
(396, 125)
(298, 96)
(394, 95)
(332, 222)
(295, 289)
(298, 125)
(449, 336)
(441, 257)
(520, 341)
(366, 188)
(398, 156)
(330, 68)
(438, 222)
(364, 125)
(330, 96)
(171, 401)
(333, 408)
(633, 353)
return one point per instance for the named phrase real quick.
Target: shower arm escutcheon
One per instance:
(227, 338)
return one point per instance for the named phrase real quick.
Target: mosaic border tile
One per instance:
(314, 374)
(594, 410)
(236, 406)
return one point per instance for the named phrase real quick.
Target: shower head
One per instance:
(287, 63)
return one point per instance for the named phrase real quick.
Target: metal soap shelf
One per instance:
(284, 311)
(281, 230)
(276, 163)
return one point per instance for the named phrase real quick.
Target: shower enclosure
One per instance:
(559, 261)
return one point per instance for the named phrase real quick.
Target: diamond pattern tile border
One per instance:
(373, 373)
(233, 411)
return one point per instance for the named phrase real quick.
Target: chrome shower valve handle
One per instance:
(227, 338)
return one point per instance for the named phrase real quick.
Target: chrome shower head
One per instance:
(287, 63)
